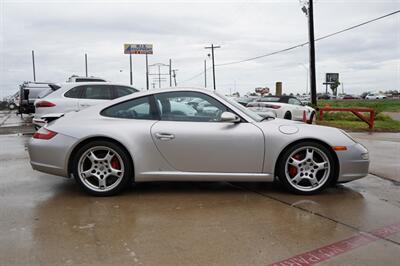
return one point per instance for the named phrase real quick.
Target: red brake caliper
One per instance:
(293, 169)
(115, 163)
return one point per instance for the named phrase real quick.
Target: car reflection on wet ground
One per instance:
(47, 220)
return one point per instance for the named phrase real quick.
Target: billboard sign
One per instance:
(130, 48)
(331, 78)
(262, 90)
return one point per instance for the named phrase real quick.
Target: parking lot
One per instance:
(47, 220)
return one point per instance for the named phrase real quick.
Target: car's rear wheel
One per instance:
(288, 116)
(102, 168)
(312, 117)
(306, 168)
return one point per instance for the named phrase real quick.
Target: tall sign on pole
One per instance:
(130, 48)
(170, 72)
(212, 47)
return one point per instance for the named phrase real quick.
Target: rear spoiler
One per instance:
(51, 117)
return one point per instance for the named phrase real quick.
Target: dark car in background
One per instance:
(30, 91)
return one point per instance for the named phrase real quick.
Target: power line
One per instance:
(296, 46)
(305, 43)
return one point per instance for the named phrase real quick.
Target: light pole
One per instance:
(212, 47)
(86, 71)
(309, 11)
(33, 65)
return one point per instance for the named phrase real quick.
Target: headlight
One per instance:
(365, 156)
(348, 135)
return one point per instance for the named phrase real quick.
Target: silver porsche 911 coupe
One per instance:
(162, 136)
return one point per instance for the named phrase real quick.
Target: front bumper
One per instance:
(354, 163)
(50, 156)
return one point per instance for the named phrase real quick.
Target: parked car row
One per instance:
(77, 93)
(286, 107)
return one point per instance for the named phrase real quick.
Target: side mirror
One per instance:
(229, 117)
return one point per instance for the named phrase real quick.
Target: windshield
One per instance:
(248, 112)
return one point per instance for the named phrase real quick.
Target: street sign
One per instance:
(130, 48)
(331, 78)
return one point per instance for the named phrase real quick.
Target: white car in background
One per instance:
(286, 107)
(375, 96)
(73, 97)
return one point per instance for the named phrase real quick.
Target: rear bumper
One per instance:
(50, 156)
(352, 165)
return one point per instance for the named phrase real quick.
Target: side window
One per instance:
(189, 106)
(294, 101)
(97, 92)
(75, 92)
(123, 91)
(139, 108)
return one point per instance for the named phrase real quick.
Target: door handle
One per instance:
(85, 105)
(164, 136)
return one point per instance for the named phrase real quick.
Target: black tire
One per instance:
(12, 106)
(281, 171)
(287, 116)
(311, 118)
(128, 167)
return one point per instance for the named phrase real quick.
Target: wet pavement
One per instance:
(47, 220)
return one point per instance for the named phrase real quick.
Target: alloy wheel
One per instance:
(100, 169)
(307, 168)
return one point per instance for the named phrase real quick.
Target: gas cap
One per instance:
(288, 129)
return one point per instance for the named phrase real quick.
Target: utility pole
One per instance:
(313, 83)
(212, 47)
(205, 73)
(159, 74)
(33, 64)
(130, 67)
(86, 65)
(170, 72)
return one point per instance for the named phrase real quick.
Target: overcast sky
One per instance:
(61, 32)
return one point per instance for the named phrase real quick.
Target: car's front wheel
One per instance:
(12, 106)
(306, 168)
(102, 168)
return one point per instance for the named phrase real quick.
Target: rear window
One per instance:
(97, 92)
(34, 93)
(74, 92)
(121, 91)
(139, 108)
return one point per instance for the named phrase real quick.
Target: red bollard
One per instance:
(304, 117)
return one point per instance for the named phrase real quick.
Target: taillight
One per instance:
(44, 133)
(44, 104)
